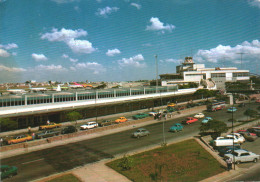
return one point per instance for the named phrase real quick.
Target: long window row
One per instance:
(7, 101)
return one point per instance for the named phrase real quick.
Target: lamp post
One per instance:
(156, 64)
(233, 132)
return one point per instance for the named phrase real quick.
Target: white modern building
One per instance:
(211, 78)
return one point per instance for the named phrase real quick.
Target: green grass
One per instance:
(184, 161)
(65, 178)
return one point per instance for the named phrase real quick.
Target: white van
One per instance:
(89, 125)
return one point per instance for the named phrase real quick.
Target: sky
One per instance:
(117, 40)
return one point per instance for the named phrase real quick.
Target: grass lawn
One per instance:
(65, 178)
(183, 161)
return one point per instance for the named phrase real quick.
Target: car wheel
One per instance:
(255, 160)
(138, 136)
(237, 162)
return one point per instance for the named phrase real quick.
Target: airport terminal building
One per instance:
(211, 78)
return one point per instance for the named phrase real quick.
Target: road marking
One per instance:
(33, 161)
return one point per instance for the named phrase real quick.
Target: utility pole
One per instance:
(241, 55)
(156, 64)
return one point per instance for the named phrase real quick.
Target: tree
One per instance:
(125, 163)
(8, 124)
(74, 116)
(214, 127)
(205, 93)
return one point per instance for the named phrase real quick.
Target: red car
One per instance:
(189, 120)
(245, 131)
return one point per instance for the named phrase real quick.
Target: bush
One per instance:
(125, 163)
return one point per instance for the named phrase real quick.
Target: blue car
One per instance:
(177, 127)
(232, 109)
(206, 120)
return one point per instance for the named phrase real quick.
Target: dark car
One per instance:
(7, 171)
(227, 150)
(105, 123)
(255, 131)
(69, 129)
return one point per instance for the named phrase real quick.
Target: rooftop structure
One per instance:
(211, 78)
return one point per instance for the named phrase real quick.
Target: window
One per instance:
(241, 74)
(216, 75)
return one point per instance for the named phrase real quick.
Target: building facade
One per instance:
(211, 78)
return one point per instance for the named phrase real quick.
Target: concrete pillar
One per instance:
(25, 100)
(52, 98)
(76, 96)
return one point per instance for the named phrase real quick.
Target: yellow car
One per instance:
(19, 139)
(49, 126)
(121, 120)
(171, 105)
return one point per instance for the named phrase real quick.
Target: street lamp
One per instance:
(156, 64)
(233, 131)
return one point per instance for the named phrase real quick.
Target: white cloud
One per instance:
(73, 68)
(112, 52)
(138, 6)
(11, 69)
(251, 52)
(4, 53)
(68, 36)
(132, 61)
(65, 56)
(147, 45)
(63, 35)
(39, 57)
(81, 46)
(106, 11)
(9, 46)
(156, 25)
(64, 1)
(93, 66)
(73, 60)
(254, 3)
(50, 67)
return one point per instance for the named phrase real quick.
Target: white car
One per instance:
(242, 156)
(89, 125)
(238, 137)
(152, 113)
(199, 115)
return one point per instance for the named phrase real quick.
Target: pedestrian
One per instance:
(29, 130)
(33, 136)
(165, 116)
(48, 122)
(1, 141)
(229, 164)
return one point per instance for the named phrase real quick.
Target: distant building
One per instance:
(211, 78)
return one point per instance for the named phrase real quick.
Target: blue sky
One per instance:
(116, 40)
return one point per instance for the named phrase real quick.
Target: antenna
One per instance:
(241, 55)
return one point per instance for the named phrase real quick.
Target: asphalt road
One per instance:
(38, 164)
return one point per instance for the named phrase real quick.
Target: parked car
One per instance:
(140, 132)
(228, 140)
(170, 109)
(177, 127)
(245, 131)
(121, 120)
(232, 109)
(105, 123)
(171, 105)
(206, 120)
(227, 150)
(249, 136)
(7, 171)
(254, 130)
(50, 126)
(152, 113)
(199, 115)
(242, 156)
(180, 108)
(47, 133)
(189, 120)
(19, 139)
(140, 116)
(89, 125)
(68, 129)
